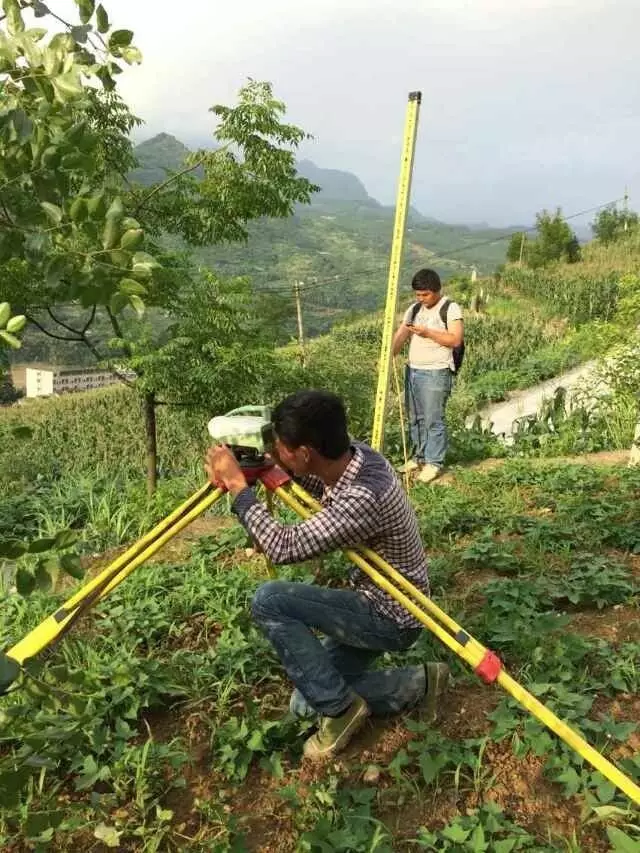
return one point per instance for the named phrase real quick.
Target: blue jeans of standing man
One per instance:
(426, 395)
(328, 673)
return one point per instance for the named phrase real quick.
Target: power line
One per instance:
(444, 254)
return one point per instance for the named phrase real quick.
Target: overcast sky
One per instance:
(526, 103)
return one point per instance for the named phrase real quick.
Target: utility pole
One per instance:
(626, 208)
(296, 294)
(521, 248)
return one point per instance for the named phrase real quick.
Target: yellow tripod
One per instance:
(483, 661)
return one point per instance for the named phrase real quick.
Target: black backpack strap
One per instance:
(414, 312)
(444, 310)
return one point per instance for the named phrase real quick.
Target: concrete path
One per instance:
(528, 402)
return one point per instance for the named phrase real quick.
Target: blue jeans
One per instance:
(426, 395)
(328, 673)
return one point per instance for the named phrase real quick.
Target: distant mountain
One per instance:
(157, 156)
(335, 185)
(163, 153)
(339, 245)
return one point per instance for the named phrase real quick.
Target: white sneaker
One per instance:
(428, 474)
(408, 467)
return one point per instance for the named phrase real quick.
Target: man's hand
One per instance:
(420, 331)
(223, 469)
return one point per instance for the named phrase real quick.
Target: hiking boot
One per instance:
(334, 733)
(408, 467)
(438, 679)
(428, 474)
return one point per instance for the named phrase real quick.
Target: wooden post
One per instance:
(521, 249)
(151, 441)
(296, 293)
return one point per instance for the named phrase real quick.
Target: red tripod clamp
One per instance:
(489, 667)
(274, 477)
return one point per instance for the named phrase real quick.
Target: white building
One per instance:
(45, 380)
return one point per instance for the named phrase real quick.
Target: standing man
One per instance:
(363, 504)
(434, 325)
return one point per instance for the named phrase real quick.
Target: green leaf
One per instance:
(118, 302)
(110, 234)
(9, 671)
(571, 780)
(131, 239)
(39, 546)
(102, 19)
(86, 8)
(25, 581)
(9, 339)
(12, 549)
(38, 823)
(116, 210)
(15, 24)
(70, 563)
(504, 846)
(67, 86)
(120, 38)
(454, 832)
(109, 835)
(22, 124)
(53, 212)
(5, 313)
(477, 840)
(54, 270)
(131, 287)
(78, 209)
(80, 33)
(137, 304)
(622, 843)
(16, 324)
(66, 538)
(131, 55)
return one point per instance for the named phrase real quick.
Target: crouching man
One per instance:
(363, 505)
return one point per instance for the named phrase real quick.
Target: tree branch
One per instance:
(87, 325)
(50, 334)
(166, 183)
(7, 215)
(64, 325)
(177, 175)
(80, 339)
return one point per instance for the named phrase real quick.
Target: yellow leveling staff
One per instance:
(483, 661)
(402, 209)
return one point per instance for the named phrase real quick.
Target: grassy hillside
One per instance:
(344, 232)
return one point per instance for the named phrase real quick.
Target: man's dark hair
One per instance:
(427, 280)
(316, 419)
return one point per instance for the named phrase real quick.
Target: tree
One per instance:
(611, 224)
(73, 231)
(555, 241)
(517, 247)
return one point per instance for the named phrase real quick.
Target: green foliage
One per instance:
(555, 241)
(90, 744)
(484, 830)
(63, 215)
(612, 225)
(579, 296)
(518, 247)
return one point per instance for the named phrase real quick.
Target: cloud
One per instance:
(525, 104)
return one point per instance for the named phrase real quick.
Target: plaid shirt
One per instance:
(367, 506)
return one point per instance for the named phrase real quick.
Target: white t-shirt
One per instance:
(425, 354)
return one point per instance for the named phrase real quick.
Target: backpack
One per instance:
(458, 352)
